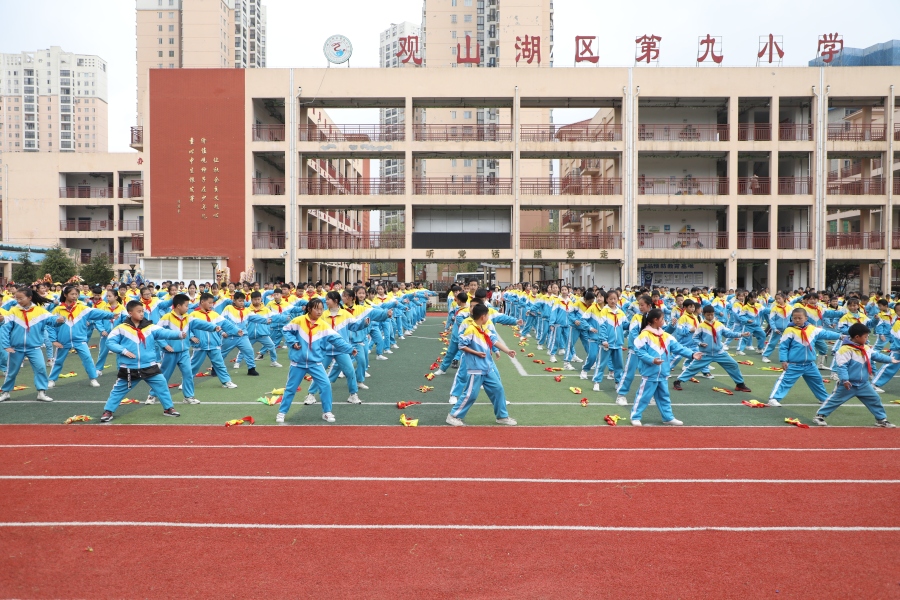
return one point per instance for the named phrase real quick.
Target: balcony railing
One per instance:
(571, 186)
(268, 187)
(131, 225)
(863, 240)
(867, 186)
(352, 241)
(352, 133)
(128, 258)
(683, 132)
(268, 133)
(897, 133)
(463, 133)
(754, 132)
(482, 186)
(754, 186)
(137, 242)
(896, 184)
(699, 240)
(135, 189)
(795, 186)
(795, 241)
(137, 136)
(268, 240)
(86, 191)
(795, 132)
(87, 225)
(571, 217)
(582, 132)
(857, 132)
(571, 241)
(376, 186)
(895, 240)
(683, 186)
(755, 240)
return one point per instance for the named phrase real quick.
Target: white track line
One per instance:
(419, 526)
(439, 448)
(438, 479)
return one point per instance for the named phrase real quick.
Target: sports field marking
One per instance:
(438, 479)
(419, 526)
(440, 448)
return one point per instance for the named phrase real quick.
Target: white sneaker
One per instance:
(151, 399)
(179, 386)
(230, 385)
(362, 386)
(673, 422)
(507, 421)
(766, 359)
(652, 402)
(636, 423)
(596, 387)
(99, 373)
(774, 402)
(191, 401)
(95, 383)
(51, 384)
(388, 351)
(395, 346)
(402, 337)
(877, 389)
(279, 418)
(577, 359)
(708, 376)
(568, 367)
(43, 397)
(621, 400)
(381, 357)
(438, 372)
(4, 396)
(553, 359)
(367, 375)
(275, 364)
(310, 399)
(409, 333)
(451, 420)
(711, 367)
(236, 366)
(584, 375)
(610, 376)
(328, 417)
(741, 353)
(453, 399)
(341, 375)
(354, 399)
(540, 347)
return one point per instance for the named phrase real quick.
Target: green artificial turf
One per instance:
(536, 398)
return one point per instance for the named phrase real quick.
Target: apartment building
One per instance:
(53, 101)
(197, 34)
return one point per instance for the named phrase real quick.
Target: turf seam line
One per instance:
(440, 479)
(419, 526)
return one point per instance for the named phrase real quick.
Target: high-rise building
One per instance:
(53, 101)
(390, 45)
(886, 54)
(192, 34)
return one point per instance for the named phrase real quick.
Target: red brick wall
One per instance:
(192, 105)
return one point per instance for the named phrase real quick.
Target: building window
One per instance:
(467, 18)
(171, 41)
(467, 114)
(171, 28)
(453, 35)
(452, 162)
(171, 54)
(452, 114)
(160, 54)
(160, 27)
(159, 15)
(467, 162)
(453, 18)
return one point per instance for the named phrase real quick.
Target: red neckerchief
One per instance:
(69, 311)
(754, 307)
(615, 315)
(97, 302)
(240, 314)
(140, 334)
(783, 309)
(25, 315)
(566, 304)
(147, 304)
(205, 313)
(694, 319)
(333, 317)
(865, 355)
(817, 309)
(486, 337)
(180, 321)
(803, 337)
(712, 329)
(278, 304)
(310, 328)
(662, 342)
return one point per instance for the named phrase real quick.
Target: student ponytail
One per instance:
(34, 296)
(312, 303)
(652, 315)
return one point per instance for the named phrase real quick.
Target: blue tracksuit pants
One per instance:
(36, 358)
(631, 366)
(452, 352)
(648, 391)
(342, 364)
(612, 356)
(84, 354)
(702, 366)
(242, 343)
(268, 347)
(158, 386)
(493, 387)
(887, 371)
(362, 361)
(215, 358)
(102, 353)
(182, 360)
(771, 344)
(809, 372)
(295, 378)
(863, 391)
(592, 348)
(755, 332)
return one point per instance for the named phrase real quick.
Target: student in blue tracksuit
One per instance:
(612, 338)
(337, 361)
(883, 322)
(561, 340)
(710, 338)
(797, 352)
(853, 364)
(114, 305)
(177, 353)
(655, 348)
(134, 341)
(22, 336)
(585, 328)
(751, 317)
(462, 313)
(632, 362)
(72, 334)
(479, 342)
(209, 343)
(779, 316)
(308, 337)
(260, 333)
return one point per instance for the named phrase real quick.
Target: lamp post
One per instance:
(132, 268)
(214, 265)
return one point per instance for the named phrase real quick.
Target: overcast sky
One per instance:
(298, 28)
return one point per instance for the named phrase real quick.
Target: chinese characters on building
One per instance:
(203, 181)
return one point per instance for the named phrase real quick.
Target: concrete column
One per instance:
(733, 115)
(772, 280)
(731, 262)
(864, 278)
(516, 221)
(888, 211)
(404, 258)
(774, 108)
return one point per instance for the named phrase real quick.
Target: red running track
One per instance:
(169, 561)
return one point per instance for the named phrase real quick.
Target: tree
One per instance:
(98, 271)
(838, 275)
(26, 272)
(59, 264)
